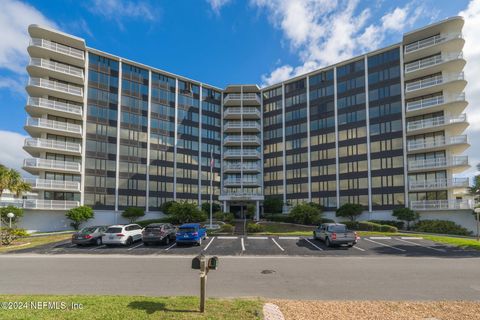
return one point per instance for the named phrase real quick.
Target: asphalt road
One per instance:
(326, 277)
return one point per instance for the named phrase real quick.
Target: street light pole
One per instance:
(477, 211)
(10, 215)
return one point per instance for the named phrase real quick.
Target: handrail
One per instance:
(420, 44)
(51, 164)
(55, 85)
(56, 66)
(52, 124)
(54, 105)
(53, 144)
(435, 122)
(53, 184)
(57, 47)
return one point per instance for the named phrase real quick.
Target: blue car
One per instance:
(191, 233)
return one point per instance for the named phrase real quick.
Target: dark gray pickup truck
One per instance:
(335, 234)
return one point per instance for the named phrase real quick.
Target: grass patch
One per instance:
(135, 307)
(287, 229)
(30, 242)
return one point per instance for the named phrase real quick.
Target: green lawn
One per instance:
(287, 229)
(134, 307)
(29, 242)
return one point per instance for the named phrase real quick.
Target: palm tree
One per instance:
(12, 180)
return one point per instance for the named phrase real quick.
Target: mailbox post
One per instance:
(200, 263)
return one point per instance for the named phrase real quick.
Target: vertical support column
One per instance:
(175, 143)
(367, 116)
(221, 150)
(149, 125)
(241, 139)
(309, 157)
(262, 191)
(404, 128)
(337, 164)
(119, 118)
(257, 211)
(283, 151)
(200, 147)
(84, 131)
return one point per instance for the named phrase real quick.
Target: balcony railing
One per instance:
(441, 205)
(424, 164)
(244, 125)
(244, 139)
(53, 144)
(36, 204)
(45, 184)
(435, 122)
(433, 81)
(437, 142)
(55, 85)
(244, 152)
(56, 66)
(243, 181)
(433, 101)
(51, 164)
(431, 61)
(438, 184)
(54, 105)
(239, 111)
(241, 166)
(244, 96)
(430, 41)
(240, 193)
(60, 48)
(56, 125)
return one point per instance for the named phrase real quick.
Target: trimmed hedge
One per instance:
(394, 223)
(288, 219)
(144, 223)
(369, 226)
(441, 226)
(254, 228)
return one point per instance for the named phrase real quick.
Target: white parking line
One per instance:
(381, 238)
(417, 244)
(257, 238)
(206, 247)
(226, 237)
(102, 246)
(358, 248)
(313, 244)
(173, 245)
(289, 238)
(412, 238)
(277, 244)
(385, 245)
(243, 244)
(139, 245)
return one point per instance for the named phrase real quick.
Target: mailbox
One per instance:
(196, 263)
(213, 263)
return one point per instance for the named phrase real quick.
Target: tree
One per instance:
(133, 213)
(166, 206)
(11, 179)
(18, 212)
(185, 212)
(305, 213)
(251, 209)
(405, 214)
(215, 207)
(349, 210)
(79, 215)
(273, 204)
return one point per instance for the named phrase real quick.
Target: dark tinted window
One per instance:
(187, 230)
(114, 230)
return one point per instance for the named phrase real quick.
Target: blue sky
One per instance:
(214, 41)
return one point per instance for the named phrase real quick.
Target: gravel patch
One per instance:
(381, 310)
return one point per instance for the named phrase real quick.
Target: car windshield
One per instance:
(88, 230)
(114, 230)
(186, 230)
(157, 228)
(340, 228)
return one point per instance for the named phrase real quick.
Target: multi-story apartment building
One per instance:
(384, 129)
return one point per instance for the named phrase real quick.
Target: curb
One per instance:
(272, 312)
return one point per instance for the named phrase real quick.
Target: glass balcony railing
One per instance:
(56, 125)
(432, 101)
(36, 204)
(461, 204)
(239, 111)
(435, 122)
(442, 162)
(52, 164)
(55, 105)
(55, 85)
(244, 139)
(60, 48)
(434, 143)
(45, 184)
(53, 144)
(244, 152)
(438, 184)
(56, 66)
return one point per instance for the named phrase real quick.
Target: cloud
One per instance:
(323, 32)
(12, 154)
(15, 16)
(15, 84)
(217, 5)
(117, 10)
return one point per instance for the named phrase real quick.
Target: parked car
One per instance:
(89, 235)
(158, 232)
(191, 233)
(335, 234)
(122, 234)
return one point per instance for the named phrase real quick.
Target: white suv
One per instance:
(122, 234)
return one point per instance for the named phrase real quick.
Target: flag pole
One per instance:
(211, 186)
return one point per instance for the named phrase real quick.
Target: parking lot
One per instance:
(271, 245)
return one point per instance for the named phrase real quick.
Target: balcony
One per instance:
(244, 181)
(36, 126)
(35, 146)
(39, 67)
(455, 82)
(35, 165)
(241, 153)
(239, 195)
(430, 205)
(48, 49)
(456, 164)
(37, 107)
(239, 166)
(242, 140)
(453, 103)
(456, 124)
(57, 185)
(449, 62)
(431, 45)
(245, 126)
(247, 99)
(245, 113)
(36, 204)
(438, 184)
(41, 87)
(456, 144)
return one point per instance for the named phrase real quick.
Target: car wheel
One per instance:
(327, 242)
(167, 240)
(129, 241)
(98, 242)
(350, 245)
(146, 244)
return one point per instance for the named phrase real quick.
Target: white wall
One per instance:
(42, 221)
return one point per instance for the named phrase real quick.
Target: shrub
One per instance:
(349, 210)
(79, 215)
(228, 217)
(393, 223)
(254, 228)
(279, 217)
(251, 208)
(226, 228)
(441, 226)
(387, 228)
(9, 235)
(133, 213)
(405, 214)
(185, 212)
(273, 204)
(18, 212)
(305, 213)
(165, 207)
(369, 226)
(218, 216)
(215, 207)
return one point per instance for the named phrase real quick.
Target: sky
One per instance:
(223, 42)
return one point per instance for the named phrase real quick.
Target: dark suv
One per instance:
(158, 233)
